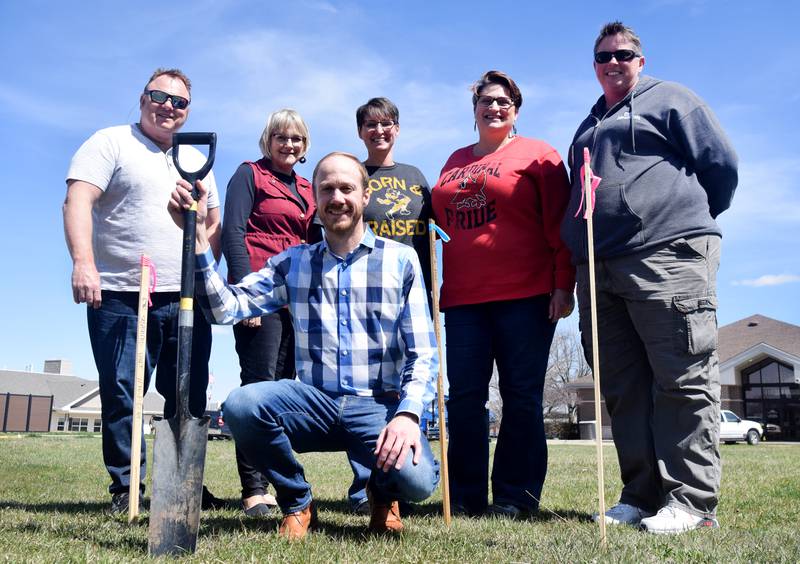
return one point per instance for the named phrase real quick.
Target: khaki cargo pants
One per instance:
(659, 372)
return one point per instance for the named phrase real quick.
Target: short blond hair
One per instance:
(281, 120)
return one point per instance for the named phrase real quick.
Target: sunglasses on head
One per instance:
(160, 97)
(621, 55)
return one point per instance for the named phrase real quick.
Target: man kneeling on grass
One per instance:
(365, 353)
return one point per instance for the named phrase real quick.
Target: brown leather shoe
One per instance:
(384, 516)
(295, 525)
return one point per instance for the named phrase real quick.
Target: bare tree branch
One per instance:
(565, 365)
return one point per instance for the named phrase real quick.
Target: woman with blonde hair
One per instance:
(268, 208)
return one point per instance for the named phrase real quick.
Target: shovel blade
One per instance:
(179, 455)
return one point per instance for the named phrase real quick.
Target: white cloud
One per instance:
(326, 7)
(326, 79)
(766, 200)
(42, 109)
(271, 69)
(769, 280)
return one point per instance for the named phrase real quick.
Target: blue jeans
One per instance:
(269, 420)
(112, 332)
(357, 492)
(517, 335)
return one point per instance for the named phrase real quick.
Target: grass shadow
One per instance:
(70, 507)
(222, 522)
(558, 514)
(129, 541)
(222, 525)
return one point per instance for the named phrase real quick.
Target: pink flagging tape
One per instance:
(594, 181)
(153, 277)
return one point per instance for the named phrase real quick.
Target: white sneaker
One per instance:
(671, 520)
(623, 514)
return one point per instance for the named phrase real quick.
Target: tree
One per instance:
(566, 364)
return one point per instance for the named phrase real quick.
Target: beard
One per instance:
(342, 224)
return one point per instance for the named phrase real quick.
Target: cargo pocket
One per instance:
(697, 327)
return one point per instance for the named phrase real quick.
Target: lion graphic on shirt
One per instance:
(397, 201)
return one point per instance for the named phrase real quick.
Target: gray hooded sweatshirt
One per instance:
(667, 171)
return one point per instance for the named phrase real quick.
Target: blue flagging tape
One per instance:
(444, 236)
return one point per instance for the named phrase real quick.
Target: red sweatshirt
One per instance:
(503, 212)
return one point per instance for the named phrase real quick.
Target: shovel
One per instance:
(179, 451)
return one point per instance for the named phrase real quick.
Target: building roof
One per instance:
(746, 333)
(580, 383)
(739, 337)
(65, 389)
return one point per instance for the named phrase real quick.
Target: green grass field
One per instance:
(53, 508)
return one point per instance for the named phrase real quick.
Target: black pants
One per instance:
(266, 353)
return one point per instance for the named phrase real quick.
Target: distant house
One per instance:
(759, 365)
(53, 400)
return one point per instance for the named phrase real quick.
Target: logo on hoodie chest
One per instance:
(627, 116)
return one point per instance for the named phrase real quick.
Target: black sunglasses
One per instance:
(621, 55)
(160, 97)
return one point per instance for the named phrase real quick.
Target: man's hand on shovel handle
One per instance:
(181, 200)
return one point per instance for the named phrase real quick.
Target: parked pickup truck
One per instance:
(732, 428)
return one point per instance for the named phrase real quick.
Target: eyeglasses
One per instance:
(621, 55)
(373, 125)
(286, 139)
(503, 102)
(160, 97)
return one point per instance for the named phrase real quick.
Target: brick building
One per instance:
(759, 363)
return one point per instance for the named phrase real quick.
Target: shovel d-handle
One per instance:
(179, 139)
(186, 311)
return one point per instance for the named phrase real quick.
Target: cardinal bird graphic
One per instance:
(470, 193)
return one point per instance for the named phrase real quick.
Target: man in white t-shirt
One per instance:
(115, 211)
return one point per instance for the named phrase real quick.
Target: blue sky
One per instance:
(71, 68)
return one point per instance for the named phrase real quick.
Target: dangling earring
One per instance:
(302, 160)
(514, 128)
(475, 126)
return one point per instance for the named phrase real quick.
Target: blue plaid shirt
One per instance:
(361, 323)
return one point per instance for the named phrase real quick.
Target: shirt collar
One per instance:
(367, 241)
